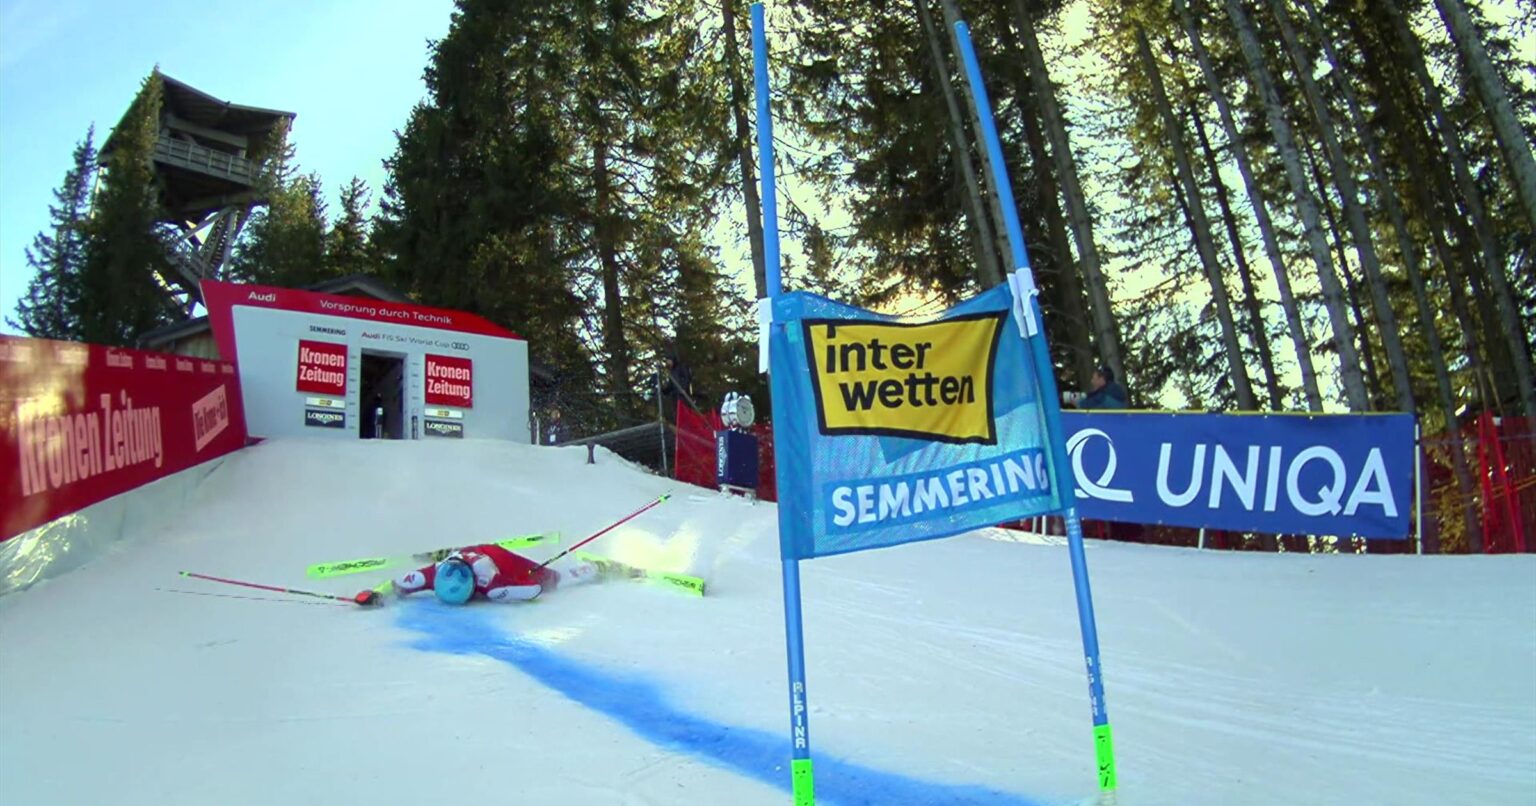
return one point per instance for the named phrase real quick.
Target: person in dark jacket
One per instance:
(1105, 393)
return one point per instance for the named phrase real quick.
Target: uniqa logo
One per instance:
(1258, 476)
(1096, 488)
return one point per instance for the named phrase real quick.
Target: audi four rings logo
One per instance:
(1095, 488)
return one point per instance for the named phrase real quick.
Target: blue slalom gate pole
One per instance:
(1102, 739)
(801, 779)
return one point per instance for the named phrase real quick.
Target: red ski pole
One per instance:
(610, 527)
(363, 599)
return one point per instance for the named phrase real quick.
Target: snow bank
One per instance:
(940, 672)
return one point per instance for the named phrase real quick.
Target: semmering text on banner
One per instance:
(893, 431)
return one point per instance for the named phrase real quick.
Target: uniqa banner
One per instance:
(892, 431)
(1330, 474)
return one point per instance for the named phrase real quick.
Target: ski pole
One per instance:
(363, 599)
(251, 598)
(610, 527)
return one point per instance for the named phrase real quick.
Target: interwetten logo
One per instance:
(929, 381)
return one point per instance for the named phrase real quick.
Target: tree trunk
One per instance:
(1340, 241)
(1457, 285)
(1496, 345)
(1075, 307)
(1388, 193)
(1426, 200)
(1201, 227)
(1105, 330)
(1299, 340)
(1463, 317)
(1447, 180)
(999, 225)
(743, 147)
(1493, 254)
(613, 302)
(960, 150)
(1306, 206)
(1354, 213)
(1259, 332)
(1513, 141)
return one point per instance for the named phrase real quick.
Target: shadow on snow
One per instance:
(641, 705)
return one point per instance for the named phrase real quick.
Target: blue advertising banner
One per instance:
(889, 431)
(1344, 475)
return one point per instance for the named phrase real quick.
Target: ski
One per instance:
(326, 570)
(683, 583)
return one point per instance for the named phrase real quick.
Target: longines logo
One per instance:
(325, 419)
(438, 428)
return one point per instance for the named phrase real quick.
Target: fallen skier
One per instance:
(491, 572)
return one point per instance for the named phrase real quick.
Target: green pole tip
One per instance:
(802, 782)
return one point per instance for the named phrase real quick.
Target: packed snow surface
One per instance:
(948, 671)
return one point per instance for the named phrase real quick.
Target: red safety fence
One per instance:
(767, 482)
(1495, 507)
(694, 458)
(80, 423)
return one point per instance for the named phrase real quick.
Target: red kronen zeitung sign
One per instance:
(80, 423)
(322, 368)
(450, 381)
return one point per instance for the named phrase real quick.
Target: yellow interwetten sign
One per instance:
(931, 381)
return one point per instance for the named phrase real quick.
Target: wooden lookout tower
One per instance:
(207, 161)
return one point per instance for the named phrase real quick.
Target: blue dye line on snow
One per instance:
(640, 705)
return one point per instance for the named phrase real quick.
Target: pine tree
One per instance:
(125, 272)
(477, 208)
(285, 243)
(1301, 345)
(1305, 204)
(346, 245)
(50, 309)
(1105, 327)
(1199, 223)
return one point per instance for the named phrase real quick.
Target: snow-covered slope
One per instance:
(940, 672)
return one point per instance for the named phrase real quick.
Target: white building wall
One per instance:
(267, 342)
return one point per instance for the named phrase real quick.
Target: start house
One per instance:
(343, 367)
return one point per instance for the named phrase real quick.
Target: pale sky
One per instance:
(350, 69)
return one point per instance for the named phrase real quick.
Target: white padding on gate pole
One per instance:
(764, 325)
